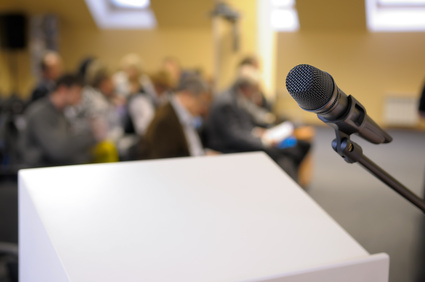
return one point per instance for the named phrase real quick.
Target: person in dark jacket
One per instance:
(233, 126)
(51, 70)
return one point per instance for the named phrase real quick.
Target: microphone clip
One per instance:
(356, 120)
(350, 151)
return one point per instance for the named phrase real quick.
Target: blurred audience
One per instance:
(173, 67)
(253, 62)
(264, 115)
(131, 78)
(233, 125)
(138, 92)
(141, 106)
(101, 110)
(49, 138)
(172, 132)
(163, 84)
(84, 65)
(100, 116)
(51, 70)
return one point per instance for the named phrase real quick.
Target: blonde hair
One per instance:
(163, 78)
(96, 73)
(132, 60)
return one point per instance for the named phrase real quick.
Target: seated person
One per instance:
(99, 108)
(172, 132)
(253, 62)
(131, 78)
(233, 126)
(48, 138)
(51, 69)
(141, 106)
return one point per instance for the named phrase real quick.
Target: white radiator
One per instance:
(401, 111)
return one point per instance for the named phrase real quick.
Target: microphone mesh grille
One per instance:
(309, 86)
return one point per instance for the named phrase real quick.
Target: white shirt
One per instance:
(142, 112)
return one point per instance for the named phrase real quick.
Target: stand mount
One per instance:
(352, 152)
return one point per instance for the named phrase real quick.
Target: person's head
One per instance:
(100, 77)
(67, 91)
(51, 66)
(248, 82)
(193, 92)
(173, 66)
(250, 60)
(162, 81)
(132, 65)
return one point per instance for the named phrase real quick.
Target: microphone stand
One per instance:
(352, 152)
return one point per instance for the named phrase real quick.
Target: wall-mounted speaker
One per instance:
(13, 31)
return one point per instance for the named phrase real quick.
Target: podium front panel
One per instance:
(224, 218)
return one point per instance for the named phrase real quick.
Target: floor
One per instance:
(377, 217)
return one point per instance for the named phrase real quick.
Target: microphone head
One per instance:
(309, 86)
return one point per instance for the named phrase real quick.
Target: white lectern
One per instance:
(225, 218)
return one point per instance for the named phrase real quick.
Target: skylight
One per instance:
(283, 15)
(402, 3)
(122, 14)
(131, 4)
(395, 15)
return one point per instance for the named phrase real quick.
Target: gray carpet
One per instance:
(376, 216)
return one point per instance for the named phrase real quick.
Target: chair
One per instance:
(8, 231)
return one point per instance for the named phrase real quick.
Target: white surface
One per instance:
(279, 132)
(225, 218)
(373, 268)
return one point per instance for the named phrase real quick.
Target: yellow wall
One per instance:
(367, 65)
(192, 46)
(78, 39)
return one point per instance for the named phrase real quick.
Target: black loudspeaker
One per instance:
(13, 31)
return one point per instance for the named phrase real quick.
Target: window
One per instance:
(395, 15)
(122, 14)
(131, 4)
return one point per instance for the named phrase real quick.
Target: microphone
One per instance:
(315, 91)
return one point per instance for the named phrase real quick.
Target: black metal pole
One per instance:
(392, 183)
(352, 153)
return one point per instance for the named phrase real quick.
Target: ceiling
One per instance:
(331, 14)
(313, 14)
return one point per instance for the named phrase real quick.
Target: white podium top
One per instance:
(224, 218)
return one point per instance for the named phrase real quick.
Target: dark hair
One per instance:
(43, 65)
(68, 80)
(84, 65)
(96, 73)
(248, 60)
(193, 83)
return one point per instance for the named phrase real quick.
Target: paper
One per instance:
(278, 133)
